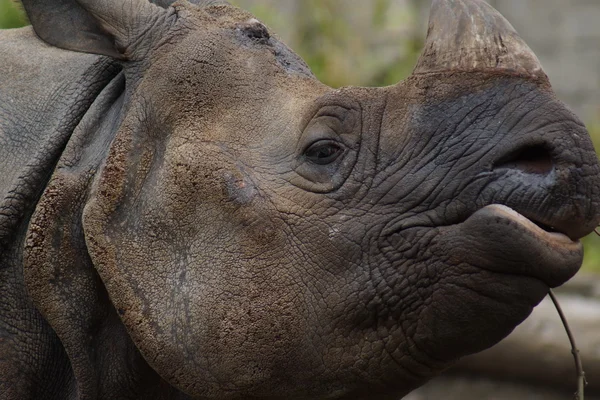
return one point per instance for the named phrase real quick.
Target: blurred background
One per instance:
(377, 42)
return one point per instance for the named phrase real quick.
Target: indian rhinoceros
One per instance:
(186, 212)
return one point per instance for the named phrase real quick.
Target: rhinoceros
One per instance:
(186, 212)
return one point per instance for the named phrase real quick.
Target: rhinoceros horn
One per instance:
(470, 35)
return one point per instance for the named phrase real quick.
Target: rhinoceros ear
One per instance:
(107, 27)
(470, 35)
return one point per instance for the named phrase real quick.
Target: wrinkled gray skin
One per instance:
(192, 215)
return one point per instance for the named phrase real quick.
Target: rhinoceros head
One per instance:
(262, 235)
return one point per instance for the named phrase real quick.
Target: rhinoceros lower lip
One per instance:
(500, 239)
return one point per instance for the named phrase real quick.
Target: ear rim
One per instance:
(100, 27)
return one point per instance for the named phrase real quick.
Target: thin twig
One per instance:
(581, 382)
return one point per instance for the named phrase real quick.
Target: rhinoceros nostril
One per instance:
(531, 159)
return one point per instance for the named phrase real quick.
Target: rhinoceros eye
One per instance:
(323, 152)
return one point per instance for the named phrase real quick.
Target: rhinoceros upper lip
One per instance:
(528, 219)
(545, 232)
(571, 229)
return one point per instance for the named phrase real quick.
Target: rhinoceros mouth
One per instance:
(504, 240)
(540, 230)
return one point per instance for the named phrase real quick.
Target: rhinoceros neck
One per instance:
(44, 94)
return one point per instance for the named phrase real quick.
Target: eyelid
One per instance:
(325, 142)
(318, 131)
(342, 131)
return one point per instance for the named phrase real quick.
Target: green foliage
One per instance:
(374, 47)
(592, 242)
(11, 15)
(591, 261)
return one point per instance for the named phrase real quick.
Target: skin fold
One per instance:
(186, 212)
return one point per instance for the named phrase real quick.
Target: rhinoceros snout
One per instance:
(554, 178)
